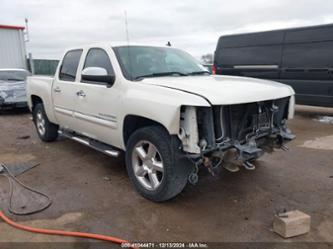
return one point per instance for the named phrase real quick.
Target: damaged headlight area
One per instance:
(208, 133)
(7, 95)
(13, 96)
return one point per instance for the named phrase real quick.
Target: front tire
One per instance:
(152, 165)
(46, 130)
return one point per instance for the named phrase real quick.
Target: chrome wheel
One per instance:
(147, 165)
(40, 123)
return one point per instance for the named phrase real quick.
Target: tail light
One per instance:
(213, 69)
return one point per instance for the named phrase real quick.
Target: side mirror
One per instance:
(98, 75)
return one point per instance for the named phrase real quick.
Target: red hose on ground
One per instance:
(62, 233)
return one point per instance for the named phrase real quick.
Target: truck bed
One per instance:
(41, 86)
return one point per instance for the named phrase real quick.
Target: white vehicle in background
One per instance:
(163, 109)
(13, 88)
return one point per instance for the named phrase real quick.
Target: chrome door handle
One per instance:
(81, 93)
(57, 90)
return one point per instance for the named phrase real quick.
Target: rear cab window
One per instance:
(70, 65)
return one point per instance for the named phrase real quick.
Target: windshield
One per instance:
(12, 75)
(138, 62)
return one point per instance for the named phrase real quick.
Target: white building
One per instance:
(12, 47)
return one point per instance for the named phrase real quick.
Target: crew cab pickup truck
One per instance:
(163, 109)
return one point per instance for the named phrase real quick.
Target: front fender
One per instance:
(159, 104)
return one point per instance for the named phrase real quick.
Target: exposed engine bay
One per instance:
(232, 134)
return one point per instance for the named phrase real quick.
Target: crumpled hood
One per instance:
(225, 90)
(13, 91)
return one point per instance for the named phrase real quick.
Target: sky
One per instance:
(194, 26)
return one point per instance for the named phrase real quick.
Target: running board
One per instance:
(99, 146)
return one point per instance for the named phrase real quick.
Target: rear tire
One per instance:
(46, 130)
(152, 165)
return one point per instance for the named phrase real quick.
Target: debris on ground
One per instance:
(24, 194)
(106, 178)
(23, 137)
(321, 143)
(325, 119)
(291, 224)
(19, 168)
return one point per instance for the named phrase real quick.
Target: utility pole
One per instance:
(26, 30)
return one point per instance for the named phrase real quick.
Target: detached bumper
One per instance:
(256, 146)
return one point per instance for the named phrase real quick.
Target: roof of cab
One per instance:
(117, 44)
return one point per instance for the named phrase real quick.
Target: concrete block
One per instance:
(292, 223)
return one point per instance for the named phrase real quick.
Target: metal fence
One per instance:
(44, 67)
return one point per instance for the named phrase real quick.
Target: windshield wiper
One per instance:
(199, 73)
(159, 75)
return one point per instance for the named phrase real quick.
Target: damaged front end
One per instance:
(12, 95)
(210, 134)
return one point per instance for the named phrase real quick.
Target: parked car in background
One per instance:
(13, 88)
(299, 57)
(161, 107)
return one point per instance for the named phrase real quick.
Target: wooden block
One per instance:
(292, 223)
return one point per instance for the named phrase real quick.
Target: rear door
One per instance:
(98, 104)
(64, 89)
(255, 61)
(307, 65)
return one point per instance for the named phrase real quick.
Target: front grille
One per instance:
(236, 122)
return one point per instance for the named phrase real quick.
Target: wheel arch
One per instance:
(35, 100)
(47, 103)
(135, 122)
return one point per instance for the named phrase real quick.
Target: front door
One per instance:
(306, 67)
(97, 103)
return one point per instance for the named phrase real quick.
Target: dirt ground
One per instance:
(91, 191)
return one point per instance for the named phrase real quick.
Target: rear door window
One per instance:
(69, 65)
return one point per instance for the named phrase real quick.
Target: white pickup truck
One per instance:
(169, 115)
